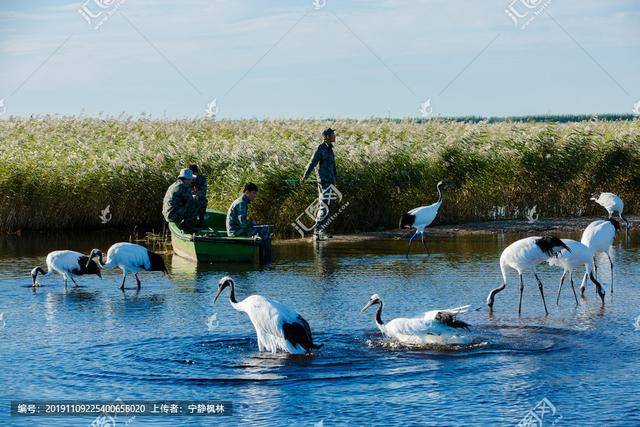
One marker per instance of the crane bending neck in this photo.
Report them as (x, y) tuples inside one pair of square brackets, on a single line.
[(101, 263), (503, 270)]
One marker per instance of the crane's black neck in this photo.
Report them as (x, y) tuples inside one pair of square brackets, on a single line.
[(615, 223), (379, 314), (439, 193), (232, 294)]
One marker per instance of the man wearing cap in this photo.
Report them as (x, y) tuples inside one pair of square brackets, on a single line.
[(180, 204), (327, 176)]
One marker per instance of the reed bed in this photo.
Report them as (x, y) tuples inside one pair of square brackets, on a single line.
[(60, 173)]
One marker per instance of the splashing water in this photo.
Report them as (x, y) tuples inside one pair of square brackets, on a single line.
[(212, 322)]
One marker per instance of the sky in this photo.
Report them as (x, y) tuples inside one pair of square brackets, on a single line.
[(318, 58)]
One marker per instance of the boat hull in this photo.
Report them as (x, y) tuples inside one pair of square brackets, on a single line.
[(212, 245)]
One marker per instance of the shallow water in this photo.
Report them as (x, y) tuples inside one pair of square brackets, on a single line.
[(170, 342)]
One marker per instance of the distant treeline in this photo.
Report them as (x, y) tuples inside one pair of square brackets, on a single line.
[(546, 118)]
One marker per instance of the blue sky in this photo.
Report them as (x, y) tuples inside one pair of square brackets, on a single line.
[(284, 59)]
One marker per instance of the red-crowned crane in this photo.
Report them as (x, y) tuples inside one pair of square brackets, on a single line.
[(598, 236), (576, 255), (612, 203), (421, 217), (433, 327), (278, 327), (524, 255), (68, 264), (130, 258)]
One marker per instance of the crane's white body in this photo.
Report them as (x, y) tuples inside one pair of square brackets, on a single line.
[(614, 206), (421, 217), (129, 257), (579, 256), (65, 263), (598, 236), (424, 216), (611, 202), (268, 317), (425, 329), (522, 255)]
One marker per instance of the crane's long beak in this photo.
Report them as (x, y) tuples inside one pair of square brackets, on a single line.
[(91, 257), (369, 304), (220, 289)]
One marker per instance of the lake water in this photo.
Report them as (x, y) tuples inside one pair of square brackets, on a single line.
[(170, 342)]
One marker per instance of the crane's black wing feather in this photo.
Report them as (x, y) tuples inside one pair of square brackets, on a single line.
[(299, 333), (450, 320)]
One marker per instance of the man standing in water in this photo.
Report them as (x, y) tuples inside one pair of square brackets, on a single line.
[(324, 159)]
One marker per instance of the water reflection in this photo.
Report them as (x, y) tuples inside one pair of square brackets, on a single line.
[(326, 263)]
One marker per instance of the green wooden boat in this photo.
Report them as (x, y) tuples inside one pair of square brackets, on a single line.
[(211, 243)]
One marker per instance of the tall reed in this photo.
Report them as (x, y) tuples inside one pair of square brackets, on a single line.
[(61, 172)]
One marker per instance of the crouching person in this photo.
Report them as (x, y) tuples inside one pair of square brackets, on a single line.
[(239, 223)]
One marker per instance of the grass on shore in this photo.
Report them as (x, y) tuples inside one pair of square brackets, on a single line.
[(62, 172)]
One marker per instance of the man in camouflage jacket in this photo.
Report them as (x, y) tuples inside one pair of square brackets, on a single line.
[(327, 177), (238, 221), (179, 204), (200, 190)]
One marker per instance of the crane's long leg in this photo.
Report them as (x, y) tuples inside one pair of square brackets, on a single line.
[(560, 287), (573, 288), (610, 264), (124, 277), (137, 280), (64, 276), (424, 244), (410, 242), (73, 280), (521, 290), (541, 293), (599, 290), (584, 279)]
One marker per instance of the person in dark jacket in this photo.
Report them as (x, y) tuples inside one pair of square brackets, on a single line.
[(200, 190), (179, 204), (238, 221), (327, 177)]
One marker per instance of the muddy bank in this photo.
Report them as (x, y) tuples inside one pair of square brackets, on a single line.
[(556, 226)]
